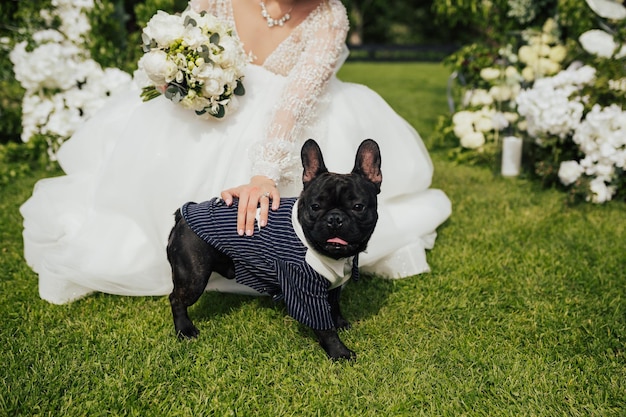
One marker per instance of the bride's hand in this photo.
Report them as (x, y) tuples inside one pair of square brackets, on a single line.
[(259, 192)]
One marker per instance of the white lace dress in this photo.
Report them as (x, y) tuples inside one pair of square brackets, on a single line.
[(104, 225)]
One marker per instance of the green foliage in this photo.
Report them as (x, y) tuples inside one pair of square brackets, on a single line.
[(16, 21), (22, 159), (494, 20), (575, 17), (469, 60), (109, 44)]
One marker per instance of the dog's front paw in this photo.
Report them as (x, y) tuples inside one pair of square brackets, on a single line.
[(334, 347), (186, 330)]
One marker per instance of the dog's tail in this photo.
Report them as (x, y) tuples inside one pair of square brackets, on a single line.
[(177, 216)]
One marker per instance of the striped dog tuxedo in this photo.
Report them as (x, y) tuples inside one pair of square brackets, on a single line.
[(276, 260)]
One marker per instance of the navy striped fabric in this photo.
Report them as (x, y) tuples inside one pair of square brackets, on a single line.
[(271, 261)]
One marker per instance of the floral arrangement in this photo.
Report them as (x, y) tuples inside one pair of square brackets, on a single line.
[(63, 85), (564, 99), (194, 60)]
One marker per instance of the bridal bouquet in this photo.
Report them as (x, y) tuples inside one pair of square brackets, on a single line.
[(195, 60)]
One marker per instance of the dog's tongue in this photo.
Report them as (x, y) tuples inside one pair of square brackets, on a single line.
[(338, 241)]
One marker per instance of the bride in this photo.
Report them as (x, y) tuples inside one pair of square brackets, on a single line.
[(103, 226)]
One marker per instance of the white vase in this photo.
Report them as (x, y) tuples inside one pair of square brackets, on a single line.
[(511, 156)]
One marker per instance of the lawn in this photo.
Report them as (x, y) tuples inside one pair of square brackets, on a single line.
[(523, 314)]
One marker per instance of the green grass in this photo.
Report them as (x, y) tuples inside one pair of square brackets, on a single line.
[(524, 314)]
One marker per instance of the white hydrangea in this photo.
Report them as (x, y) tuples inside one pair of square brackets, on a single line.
[(60, 64), (602, 138), (548, 107)]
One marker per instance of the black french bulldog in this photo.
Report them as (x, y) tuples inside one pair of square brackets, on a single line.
[(308, 250)]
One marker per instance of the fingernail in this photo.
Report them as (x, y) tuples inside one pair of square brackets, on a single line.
[(263, 223), (240, 232), (249, 232)]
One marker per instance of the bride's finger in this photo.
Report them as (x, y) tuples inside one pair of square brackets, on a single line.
[(229, 195), (242, 210), (265, 207), (250, 213)]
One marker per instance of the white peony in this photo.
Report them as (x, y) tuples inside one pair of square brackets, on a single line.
[(473, 140), (157, 67), (164, 28)]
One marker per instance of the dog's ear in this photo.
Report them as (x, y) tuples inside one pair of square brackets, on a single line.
[(368, 162), (312, 161)]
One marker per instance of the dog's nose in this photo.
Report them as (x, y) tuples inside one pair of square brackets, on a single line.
[(334, 221)]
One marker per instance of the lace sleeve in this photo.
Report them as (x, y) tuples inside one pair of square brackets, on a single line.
[(324, 38)]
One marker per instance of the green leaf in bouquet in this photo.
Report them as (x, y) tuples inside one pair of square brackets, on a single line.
[(221, 112), (239, 89), (205, 53), (175, 92), (190, 21)]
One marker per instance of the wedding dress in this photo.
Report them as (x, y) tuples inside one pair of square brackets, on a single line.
[(104, 225)]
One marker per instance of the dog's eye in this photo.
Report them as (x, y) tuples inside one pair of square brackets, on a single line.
[(315, 207), (358, 207)]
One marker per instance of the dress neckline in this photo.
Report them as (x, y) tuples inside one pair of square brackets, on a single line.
[(315, 11)]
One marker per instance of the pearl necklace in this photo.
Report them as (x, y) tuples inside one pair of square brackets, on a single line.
[(271, 22)]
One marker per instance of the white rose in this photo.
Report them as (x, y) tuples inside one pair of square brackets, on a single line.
[(484, 124), (463, 117), (473, 140), (489, 74), (558, 53), (157, 67), (550, 26), (511, 117), (212, 88), (541, 50), (511, 74), (546, 66), (481, 97), (569, 172), (463, 130), (528, 74), (547, 39), (193, 37), (500, 93), (526, 54)]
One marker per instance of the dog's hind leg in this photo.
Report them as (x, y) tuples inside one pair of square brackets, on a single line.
[(191, 269)]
